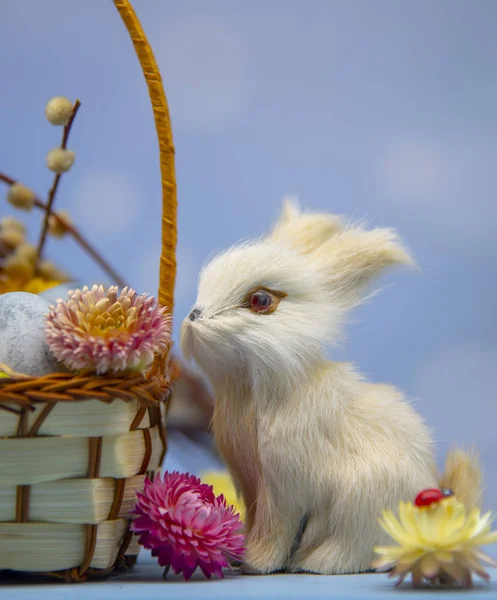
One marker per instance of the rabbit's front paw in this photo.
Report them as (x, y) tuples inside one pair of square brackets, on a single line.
[(263, 557), (331, 558), (261, 565), (247, 569)]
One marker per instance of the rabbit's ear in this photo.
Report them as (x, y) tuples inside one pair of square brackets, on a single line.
[(304, 231), (289, 212), (354, 257)]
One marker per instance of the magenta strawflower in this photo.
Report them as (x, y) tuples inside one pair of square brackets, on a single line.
[(186, 526), (106, 331)]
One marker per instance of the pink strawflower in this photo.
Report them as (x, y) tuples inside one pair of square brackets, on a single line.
[(105, 331), (186, 526)]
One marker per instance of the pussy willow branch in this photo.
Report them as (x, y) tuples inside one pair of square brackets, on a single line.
[(76, 235), (55, 185)]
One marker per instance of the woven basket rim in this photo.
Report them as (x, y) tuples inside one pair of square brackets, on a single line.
[(27, 391)]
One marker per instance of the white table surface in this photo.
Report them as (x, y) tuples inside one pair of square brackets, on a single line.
[(145, 582)]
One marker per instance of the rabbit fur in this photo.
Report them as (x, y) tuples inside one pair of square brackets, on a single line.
[(305, 438)]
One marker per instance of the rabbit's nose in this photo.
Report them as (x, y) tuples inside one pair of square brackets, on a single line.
[(195, 314)]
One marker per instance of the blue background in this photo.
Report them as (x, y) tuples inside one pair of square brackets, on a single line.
[(383, 110)]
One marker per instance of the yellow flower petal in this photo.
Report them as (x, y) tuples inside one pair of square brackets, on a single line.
[(417, 576), (223, 484), (485, 558), (459, 573), (401, 578), (471, 563), (427, 526), (429, 566), (410, 557), (453, 525), (444, 556), (481, 524), (483, 539), (389, 550), (38, 285), (468, 559), (394, 529), (382, 564), (406, 516)]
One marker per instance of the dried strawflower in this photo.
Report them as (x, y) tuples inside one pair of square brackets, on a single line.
[(11, 237), (21, 196), (58, 110), (60, 160), (48, 270), (222, 483), (438, 539), (58, 227), (27, 251), (4, 250), (186, 526), (106, 331), (36, 285), (18, 267), (11, 223)]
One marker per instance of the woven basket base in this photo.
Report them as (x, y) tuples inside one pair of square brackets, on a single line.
[(126, 559), (118, 439)]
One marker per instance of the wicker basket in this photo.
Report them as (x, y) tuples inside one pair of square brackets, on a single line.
[(117, 426)]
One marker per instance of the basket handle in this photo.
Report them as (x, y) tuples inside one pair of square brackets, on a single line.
[(167, 269)]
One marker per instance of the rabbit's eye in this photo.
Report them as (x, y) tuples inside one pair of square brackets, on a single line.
[(261, 301)]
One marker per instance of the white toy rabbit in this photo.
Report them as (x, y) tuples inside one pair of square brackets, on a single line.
[(308, 441)]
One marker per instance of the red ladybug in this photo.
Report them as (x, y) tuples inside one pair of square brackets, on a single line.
[(430, 496)]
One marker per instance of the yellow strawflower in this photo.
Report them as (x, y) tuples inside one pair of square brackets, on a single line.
[(439, 543), (223, 484), (38, 285)]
